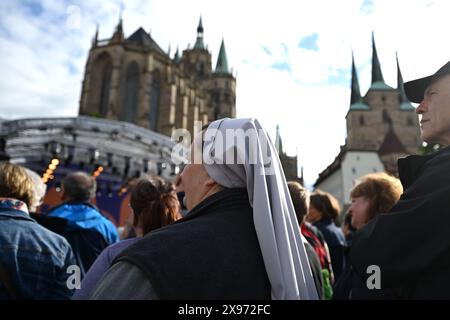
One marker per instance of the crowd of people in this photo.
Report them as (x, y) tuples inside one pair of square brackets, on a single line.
[(238, 230)]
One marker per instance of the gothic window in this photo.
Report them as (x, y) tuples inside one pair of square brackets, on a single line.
[(226, 98), (216, 97), (155, 93), (131, 92), (362, 122), (104, 93), (201, 69), (100, 85)]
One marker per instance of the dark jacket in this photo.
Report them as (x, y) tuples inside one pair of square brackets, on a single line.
[(212, 253), (335, 240), (85, 228), (35, 259), (411, 243)]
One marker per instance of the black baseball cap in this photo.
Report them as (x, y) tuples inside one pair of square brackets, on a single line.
[(415, 89)]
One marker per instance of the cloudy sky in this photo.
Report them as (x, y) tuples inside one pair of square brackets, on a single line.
[(292, 58)]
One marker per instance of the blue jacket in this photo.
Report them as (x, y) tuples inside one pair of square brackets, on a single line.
[(86, 216), (35, 258)]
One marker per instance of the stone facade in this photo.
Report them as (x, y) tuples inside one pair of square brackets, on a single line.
[(132, 79), (366, 129)]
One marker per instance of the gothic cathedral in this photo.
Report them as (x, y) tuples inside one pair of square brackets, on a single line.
[(132, 79)]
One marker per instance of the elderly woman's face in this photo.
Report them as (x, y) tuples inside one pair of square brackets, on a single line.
[(359, 211), (193, 179)]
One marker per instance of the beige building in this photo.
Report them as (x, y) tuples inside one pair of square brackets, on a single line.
[(132, 79)]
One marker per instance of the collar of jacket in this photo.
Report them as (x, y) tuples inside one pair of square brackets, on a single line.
[(73, 202), (410, 167), (10, 203), (15, 214), (232, 197)]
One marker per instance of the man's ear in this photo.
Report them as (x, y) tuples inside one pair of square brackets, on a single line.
[(62, 195)]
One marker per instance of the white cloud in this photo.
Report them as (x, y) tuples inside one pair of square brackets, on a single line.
[(42, 59)]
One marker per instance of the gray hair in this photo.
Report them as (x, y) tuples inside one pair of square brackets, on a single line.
[(79, 187), (40, 188)]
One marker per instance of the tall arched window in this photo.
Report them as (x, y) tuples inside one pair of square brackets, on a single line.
[(155, 92), (104, 93), (100, 85), (130, 101)]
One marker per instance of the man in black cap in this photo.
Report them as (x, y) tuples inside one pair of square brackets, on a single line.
[(411, 243)]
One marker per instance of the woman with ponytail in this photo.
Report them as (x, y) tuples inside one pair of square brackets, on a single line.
[(154, 204)]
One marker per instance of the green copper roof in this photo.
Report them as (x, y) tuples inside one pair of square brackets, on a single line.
[(177, 58), (377, 75), (222, 61), (405, 104), (356, 93), (199, 42), (359, 106), (380, 86)]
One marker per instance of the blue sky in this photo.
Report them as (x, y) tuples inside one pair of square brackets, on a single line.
[(292, 58)]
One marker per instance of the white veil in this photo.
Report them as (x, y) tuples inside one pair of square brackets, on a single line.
[(255, 166)]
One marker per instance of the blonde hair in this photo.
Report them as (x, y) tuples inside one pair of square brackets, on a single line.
[(40, 188), (15, 183), (382, 190)]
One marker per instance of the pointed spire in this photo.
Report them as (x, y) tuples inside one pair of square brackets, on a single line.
[(95, 39), (377, 76), (356, 101), (405, 104), (169, 49), (118, 33), (200, 26), (199, 42), (356, 93), (222, 61), (278, 143), (177, 58)]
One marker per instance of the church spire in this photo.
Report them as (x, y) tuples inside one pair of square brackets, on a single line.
[(95, 39), (405, 104), (177, 58), (199, 42), (278, 143), (118, 33), (222, 61), (356, 93), (377, 76)]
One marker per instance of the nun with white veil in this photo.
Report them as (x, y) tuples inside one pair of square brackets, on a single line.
[(255, 165)]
